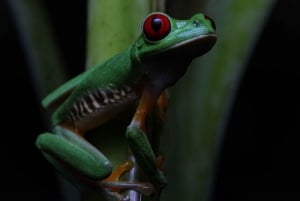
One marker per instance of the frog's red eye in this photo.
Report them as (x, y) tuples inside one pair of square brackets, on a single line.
[(156, 26)]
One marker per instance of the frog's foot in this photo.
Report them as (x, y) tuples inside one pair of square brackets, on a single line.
[(113, 183), (142, 187), (115, 175), (162, 105)]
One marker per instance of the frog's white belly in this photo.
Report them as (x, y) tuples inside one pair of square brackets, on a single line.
[(99, 106)]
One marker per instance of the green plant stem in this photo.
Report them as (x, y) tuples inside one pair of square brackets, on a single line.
[(201, 101), (46, 65), (112, 27), (43, 55)]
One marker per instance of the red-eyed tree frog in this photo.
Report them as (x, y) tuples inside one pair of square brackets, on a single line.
[(138, 75)]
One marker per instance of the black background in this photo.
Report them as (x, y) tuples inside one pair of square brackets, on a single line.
[(261, 149)]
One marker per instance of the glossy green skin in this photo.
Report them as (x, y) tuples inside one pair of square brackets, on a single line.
[(163, 62)]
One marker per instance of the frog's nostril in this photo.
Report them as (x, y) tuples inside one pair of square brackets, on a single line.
[(196, 22)]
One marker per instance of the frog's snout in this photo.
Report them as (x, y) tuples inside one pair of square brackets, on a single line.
[(212, 22)]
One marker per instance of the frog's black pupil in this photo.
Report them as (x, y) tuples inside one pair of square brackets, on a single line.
[(156, 23)]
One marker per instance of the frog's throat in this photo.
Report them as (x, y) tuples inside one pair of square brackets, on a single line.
[(195, 46)]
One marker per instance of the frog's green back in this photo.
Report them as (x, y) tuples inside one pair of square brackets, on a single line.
[(111, 70), (62, 92)]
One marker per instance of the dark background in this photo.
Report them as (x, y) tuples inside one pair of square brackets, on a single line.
[(261, 149), (262, 144)]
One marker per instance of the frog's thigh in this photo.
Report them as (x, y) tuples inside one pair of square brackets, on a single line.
[(67, 149)]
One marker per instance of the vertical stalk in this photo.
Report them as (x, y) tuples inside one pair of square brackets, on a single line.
[(201, 101), (44, 57), (113, 26), (42, 53)]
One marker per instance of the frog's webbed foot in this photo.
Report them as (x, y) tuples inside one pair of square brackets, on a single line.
[(142, 187), (116, 174), (113, 183)]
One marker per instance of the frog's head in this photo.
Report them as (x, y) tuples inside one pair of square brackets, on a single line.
[(167, 46)]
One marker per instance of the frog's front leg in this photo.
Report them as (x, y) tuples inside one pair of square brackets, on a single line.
[(137, 137), (162, 105)]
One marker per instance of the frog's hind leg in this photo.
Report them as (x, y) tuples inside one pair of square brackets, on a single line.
[(74, 157), (84, 166)]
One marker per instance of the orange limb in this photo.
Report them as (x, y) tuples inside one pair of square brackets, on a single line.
[(160, 161), (115, 175), (148, 100), (162, 104), (71, 127), (113, 184)]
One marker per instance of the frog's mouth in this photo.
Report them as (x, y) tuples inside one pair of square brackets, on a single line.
[(190, 48)]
